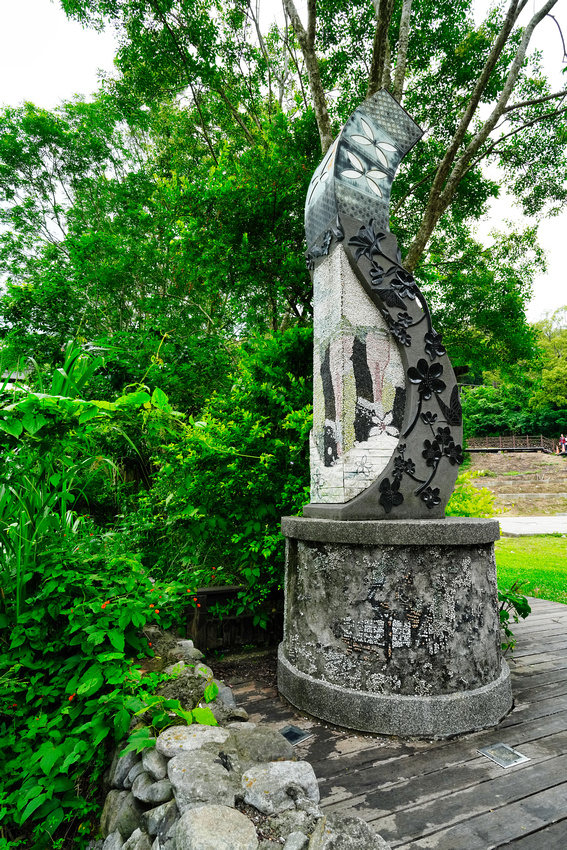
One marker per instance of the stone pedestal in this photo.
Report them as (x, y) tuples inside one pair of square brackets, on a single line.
[(392, 626)]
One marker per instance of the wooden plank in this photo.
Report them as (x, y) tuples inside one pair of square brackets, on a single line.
[(380, 793), (405, 759), (552, 689), (549, 838), (511, 787), (524, 711), (498, 828)]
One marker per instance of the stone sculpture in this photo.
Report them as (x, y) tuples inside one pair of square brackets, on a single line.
[(391, 617), (387, 432)]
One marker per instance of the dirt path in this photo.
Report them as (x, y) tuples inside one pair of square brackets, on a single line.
[(525, 483)]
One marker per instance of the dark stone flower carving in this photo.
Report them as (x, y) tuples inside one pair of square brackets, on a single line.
[(389, 495), (377, 274), (432, 452), (367, 241), (398, 327), (433, 345), (443, 436), (404, 319), (454, 453), (431, 497), (402, 466), (427, 377), (310, 262), (404, 284), (429, 418)]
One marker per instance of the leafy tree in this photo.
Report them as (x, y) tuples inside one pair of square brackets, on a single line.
[(469, 86), (552, 390)]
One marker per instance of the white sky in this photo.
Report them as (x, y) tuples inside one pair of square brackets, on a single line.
[(46, 58)]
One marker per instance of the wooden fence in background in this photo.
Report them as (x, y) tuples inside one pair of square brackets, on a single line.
[(512, 443)]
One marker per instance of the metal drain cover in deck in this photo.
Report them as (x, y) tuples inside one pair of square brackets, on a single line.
[(503, 755), (294, 734)]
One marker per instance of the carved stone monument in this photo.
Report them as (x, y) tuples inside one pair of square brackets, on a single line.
[(391, 621)]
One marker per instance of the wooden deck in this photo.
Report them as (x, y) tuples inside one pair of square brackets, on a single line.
[(443, 794)]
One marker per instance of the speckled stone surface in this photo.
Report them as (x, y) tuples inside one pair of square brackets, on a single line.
[(411, 612)]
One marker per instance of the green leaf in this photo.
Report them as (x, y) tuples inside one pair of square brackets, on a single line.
[(54, 819), (109, 656), (204, 716), (88, 414), (92, 681), (50, 758), (33, 423), (116, 638), (33, 805), (210, 692), (12, 426)]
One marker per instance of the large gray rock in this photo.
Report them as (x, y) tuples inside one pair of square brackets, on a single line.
[(257, 746), (138, 841), (113, 841), (225, 694), (336, 832), (133, 774), (161, 818), (121, 813), (185, 650), (148, 791), (296, 841), (199, 778), (180, 739), (215, 828), (121, 766), (293, 820), (204, 671), (271, 788), (155, 764)]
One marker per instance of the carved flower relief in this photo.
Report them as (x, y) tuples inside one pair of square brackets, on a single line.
[(434, 345), (402, 467), (431, 497), (432, 453), (427, 377), (358, 170), (390, 497), (380, 149), (383, 425)]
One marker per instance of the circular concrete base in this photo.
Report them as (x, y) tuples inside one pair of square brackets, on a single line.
[(392, 714)]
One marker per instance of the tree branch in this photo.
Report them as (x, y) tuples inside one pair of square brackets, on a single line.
[(450, 174), (402, 56), (384, 10), (535, 101), (306, 41)]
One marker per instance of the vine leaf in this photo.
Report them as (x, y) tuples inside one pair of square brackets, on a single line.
[(453, 412)]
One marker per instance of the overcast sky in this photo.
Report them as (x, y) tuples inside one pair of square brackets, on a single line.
[(46, 58)]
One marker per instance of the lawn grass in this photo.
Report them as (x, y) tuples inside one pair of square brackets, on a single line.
[(539, 562)]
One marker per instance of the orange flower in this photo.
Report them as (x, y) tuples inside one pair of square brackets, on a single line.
[(157, 610), (72, 696)]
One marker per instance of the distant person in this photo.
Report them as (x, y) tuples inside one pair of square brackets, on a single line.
[(562, 442)]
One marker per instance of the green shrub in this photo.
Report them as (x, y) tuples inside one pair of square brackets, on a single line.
[(213, 514), (468, 500)]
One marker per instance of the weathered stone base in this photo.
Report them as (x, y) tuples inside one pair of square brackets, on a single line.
[(392, 627), (405, 716)]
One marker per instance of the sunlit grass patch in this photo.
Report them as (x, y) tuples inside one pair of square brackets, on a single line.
[(539, 562)]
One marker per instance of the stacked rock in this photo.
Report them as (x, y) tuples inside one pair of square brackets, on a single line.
[(185, 793)]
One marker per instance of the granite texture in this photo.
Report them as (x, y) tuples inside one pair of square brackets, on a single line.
[(367, 624), (458, 530), (405, 716)]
